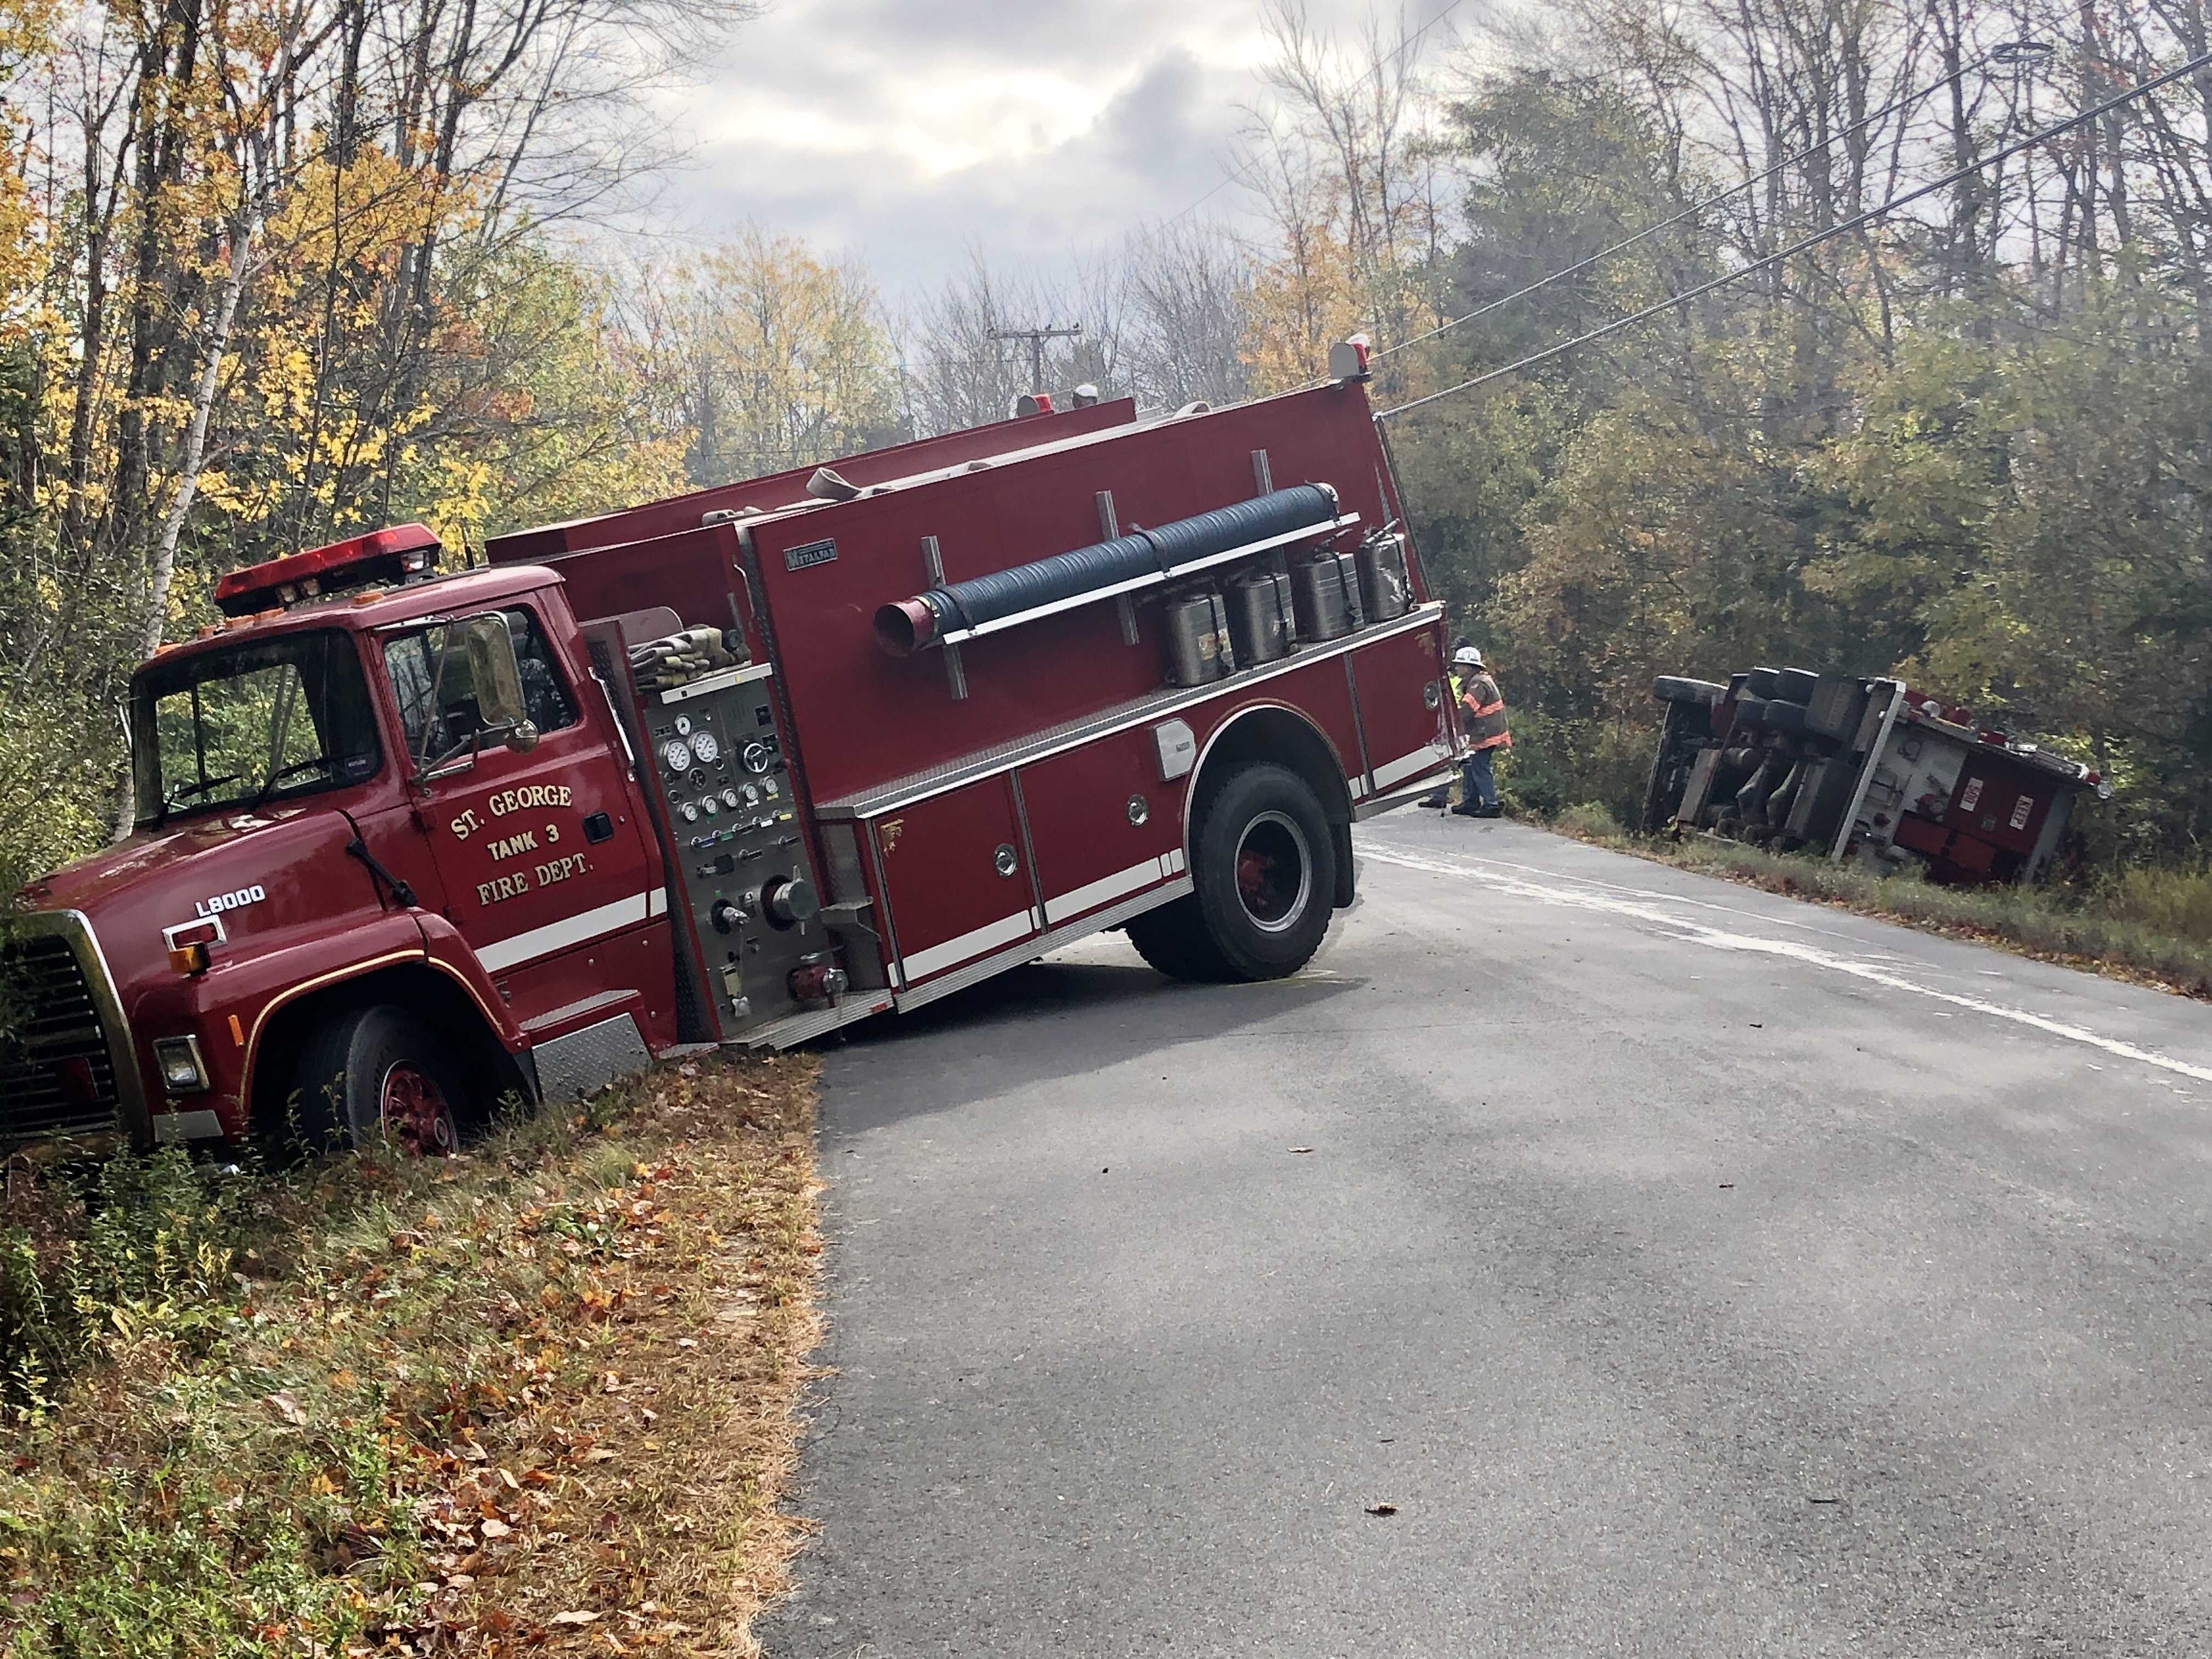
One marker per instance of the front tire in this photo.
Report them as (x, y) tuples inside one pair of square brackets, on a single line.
[(375, 1078), (1262, 865)]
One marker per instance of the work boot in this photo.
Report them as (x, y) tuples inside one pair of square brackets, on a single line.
[(1467, 809), (1489, 811), (1439, 799)]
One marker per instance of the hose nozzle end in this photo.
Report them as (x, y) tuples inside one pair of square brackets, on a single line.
[(904, 626)]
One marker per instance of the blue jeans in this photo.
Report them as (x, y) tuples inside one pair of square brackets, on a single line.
[(1476, 786)]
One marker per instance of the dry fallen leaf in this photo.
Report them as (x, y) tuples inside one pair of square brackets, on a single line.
[(1382, 1508), (1301, 1149), (495, 1528), (286, 1406), (575, 1617)]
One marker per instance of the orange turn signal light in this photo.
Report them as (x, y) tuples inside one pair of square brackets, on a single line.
[(189, 959)]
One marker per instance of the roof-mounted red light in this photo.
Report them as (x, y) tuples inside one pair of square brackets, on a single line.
[(390, 555)]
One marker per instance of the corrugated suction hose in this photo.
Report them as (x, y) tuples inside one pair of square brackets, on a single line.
[(906, 625)]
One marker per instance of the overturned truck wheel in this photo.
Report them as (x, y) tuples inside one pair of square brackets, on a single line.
[(1263, 873)]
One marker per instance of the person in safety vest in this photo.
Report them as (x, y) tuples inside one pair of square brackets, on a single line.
[(1482, 712)]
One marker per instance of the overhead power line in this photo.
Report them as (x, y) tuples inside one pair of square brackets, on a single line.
[(2010, 52), (1904, 199)]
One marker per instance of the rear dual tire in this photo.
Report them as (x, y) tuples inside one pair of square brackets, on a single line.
[(1262, 883)]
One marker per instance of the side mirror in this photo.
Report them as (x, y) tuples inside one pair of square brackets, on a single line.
[(494, 674)]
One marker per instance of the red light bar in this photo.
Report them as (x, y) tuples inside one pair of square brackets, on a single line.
[(392, 554)]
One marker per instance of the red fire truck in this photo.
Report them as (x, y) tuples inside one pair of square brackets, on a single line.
[(740, 767)]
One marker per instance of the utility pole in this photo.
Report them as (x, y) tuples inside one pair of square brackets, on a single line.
[(1036, 337)]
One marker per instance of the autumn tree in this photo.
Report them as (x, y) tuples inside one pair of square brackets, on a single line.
[(761, 356)]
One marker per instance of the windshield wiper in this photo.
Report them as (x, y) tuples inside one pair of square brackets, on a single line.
[(282, 773), (170, 803)]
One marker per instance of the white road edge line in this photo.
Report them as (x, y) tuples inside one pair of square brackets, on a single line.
[(1644, 892), (1698, 932)]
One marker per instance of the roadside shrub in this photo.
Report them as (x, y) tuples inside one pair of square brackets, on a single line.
[(1554, 763), (2174, 902), (133, 1248), (1593, 819)]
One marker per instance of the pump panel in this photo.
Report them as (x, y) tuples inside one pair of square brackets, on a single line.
[(741, 879)]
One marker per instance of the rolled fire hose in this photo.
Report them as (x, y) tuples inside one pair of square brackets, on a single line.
[(908, 625)]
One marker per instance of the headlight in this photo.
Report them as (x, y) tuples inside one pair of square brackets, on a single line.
[(182, 1073)]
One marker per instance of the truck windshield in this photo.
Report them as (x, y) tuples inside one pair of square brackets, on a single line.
[(270, 721)]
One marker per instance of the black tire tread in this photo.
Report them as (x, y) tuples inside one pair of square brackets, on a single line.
[(1221, 820), (1675, 687), (1173, 940)]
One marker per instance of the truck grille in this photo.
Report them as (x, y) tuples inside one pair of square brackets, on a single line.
[(56, 1076)]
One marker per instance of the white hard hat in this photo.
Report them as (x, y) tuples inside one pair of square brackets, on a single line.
[(1466, 657)]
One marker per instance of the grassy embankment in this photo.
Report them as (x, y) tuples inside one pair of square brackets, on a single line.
[(2153, 926), (539, 1397)]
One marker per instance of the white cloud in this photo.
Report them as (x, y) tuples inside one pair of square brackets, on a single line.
[(908, 131)]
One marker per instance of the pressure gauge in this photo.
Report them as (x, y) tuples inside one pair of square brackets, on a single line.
[(752, 796), (690, 813), (676, 755), (682, 726), (706, 746), (756, 758), (731, 798), (709, 806)]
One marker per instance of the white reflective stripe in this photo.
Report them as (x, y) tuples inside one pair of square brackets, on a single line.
[(1173, 862), (1357, 786), (1421, 760), (656, 902), (569, 930), (1092, 895), (954, 952)]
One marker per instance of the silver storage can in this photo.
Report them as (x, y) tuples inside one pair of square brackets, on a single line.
[(1385, 588), (1261, 626), (1198, 638), (1348, 562), (1319, 598)]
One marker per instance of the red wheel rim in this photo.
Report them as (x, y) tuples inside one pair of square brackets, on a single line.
[(416, 1118)]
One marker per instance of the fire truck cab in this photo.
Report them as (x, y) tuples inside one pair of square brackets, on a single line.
[(738, 768)]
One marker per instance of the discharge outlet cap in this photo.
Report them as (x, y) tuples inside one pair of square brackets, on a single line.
[(790, 902)]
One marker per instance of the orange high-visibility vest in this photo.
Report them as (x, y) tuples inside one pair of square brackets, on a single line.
[(1482, 712)]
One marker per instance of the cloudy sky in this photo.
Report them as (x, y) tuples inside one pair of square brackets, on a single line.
[(907, 131)]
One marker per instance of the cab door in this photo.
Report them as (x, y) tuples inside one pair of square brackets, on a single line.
[(541, 856)]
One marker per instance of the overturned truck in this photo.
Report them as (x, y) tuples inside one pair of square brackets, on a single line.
[(1866, 770)]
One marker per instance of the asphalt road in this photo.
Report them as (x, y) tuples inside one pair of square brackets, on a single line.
[(1696, 1273)]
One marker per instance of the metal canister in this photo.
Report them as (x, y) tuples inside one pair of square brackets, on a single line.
[(1320, 598), (1262, 625), (1385, 588), (1198, 638)]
